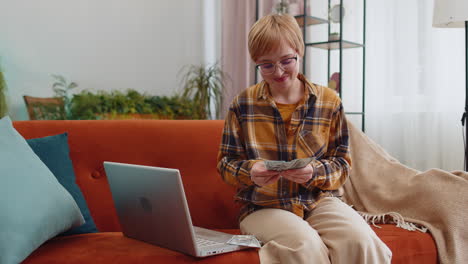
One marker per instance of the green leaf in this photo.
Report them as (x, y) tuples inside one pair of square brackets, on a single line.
[(55, 85), (72, 85), (3, 87)]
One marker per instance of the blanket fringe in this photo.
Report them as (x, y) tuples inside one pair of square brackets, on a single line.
[(391, 218)]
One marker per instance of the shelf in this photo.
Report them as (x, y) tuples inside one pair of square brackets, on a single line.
[(310, 20), (334, 44), (354, 113)]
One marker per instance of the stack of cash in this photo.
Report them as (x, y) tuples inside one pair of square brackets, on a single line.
[(279, 165), (245, 240)]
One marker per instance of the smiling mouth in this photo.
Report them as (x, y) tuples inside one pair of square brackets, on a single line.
[(282, 79)]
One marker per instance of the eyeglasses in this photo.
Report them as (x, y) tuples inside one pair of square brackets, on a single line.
[(285, 64)]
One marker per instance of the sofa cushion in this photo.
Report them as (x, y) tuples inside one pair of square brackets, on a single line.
[(34, 206), (408, 246), (113, 247), (55, 153)]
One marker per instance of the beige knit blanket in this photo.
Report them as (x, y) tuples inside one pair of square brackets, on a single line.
[(384, 190)]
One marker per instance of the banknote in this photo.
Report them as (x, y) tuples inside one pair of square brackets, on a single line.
[(279, 165), (245, 240)]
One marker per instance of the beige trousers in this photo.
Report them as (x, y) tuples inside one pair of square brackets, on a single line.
[(332, 233)]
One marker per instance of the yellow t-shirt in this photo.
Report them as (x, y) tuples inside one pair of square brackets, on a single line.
[(286, 111)]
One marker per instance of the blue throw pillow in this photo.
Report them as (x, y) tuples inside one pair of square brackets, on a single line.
[(34, 206), (55, 153)]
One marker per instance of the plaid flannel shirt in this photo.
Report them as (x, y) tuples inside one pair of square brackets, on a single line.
[(255, 131)]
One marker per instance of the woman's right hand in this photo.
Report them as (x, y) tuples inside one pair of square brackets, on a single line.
[(261, 176)]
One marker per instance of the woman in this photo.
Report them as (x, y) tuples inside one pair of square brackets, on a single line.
[(295, 212)]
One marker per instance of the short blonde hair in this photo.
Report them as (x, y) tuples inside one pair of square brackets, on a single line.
[(268, 32)]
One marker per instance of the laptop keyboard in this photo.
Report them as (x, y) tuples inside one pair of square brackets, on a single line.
[(201, 242)]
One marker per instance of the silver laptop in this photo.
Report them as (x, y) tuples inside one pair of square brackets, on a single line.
[(152, 207)]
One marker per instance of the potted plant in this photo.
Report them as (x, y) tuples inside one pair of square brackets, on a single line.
[(3, 105), (204, 86), (62, 88), (334, 36), (282, 7), (107, 104), (128, 105)]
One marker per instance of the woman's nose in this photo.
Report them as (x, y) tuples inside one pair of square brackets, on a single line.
[(278, 71)]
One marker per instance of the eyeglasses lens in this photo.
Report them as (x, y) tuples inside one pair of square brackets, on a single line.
[(285, 65)]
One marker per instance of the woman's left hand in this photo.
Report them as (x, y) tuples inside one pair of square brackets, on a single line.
[(300, 176)]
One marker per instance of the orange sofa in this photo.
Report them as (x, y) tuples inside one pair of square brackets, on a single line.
[(189, 145)]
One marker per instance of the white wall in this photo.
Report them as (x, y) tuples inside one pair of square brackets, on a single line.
[(101, 45)]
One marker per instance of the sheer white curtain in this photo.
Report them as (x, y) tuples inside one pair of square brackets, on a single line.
[(415, 84), (237, 18)]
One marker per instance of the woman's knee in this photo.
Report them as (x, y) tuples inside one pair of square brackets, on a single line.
[(300, 240), (283, 227), (360, 237), (363, 240), (298, 247)]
